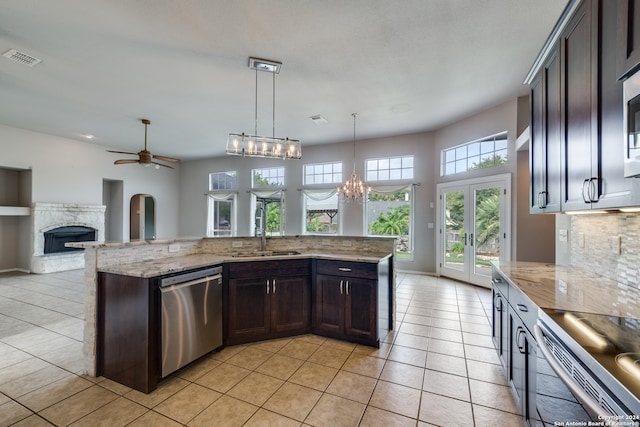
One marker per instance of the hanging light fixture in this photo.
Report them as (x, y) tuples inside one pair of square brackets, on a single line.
[(241, 144), (353, 190)]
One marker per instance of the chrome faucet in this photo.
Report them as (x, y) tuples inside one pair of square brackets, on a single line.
[(262, 230)]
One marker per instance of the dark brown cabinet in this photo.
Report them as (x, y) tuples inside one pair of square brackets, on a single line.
[(351, 301), (546, 137), (628, 37), (267, 299), (127, 331), (514, 317), (576, 116)]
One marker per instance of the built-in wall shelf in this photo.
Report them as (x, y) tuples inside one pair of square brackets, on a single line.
[(14, 211)]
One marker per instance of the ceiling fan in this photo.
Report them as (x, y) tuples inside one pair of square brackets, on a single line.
[(145, 157)]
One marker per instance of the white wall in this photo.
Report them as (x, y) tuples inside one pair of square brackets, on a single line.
[(68, 171)]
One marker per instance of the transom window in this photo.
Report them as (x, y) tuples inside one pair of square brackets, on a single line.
[(267, 177), (223, 181), (323, 173), (483, 153), (390, 169)]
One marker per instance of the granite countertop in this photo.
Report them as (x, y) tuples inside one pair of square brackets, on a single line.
[(569, 288), (162, 266)]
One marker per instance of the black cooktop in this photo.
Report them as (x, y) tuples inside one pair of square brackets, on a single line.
[(614, 342)]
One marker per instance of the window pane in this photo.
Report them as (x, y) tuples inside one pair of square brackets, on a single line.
[(501, 144), (474, 149), (450, 168), (474, 162), (450, 156), (321, 216), (407, 162), (383, 163), (390, 215), (395, 163), (461, 153), (372, 165), (407, 173), (486, 147), (461, 165), (395, 174), (372, 176)]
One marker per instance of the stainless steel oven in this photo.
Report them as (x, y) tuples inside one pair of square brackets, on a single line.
[(631, 89), (598, 358)]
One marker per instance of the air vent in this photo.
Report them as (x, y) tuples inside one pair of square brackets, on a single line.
[(22, 58)]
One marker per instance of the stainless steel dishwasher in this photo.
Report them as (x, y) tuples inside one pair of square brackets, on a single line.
[(191, 316)]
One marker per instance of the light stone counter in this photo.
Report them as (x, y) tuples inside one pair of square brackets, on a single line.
[(159, 267), (569, 288)]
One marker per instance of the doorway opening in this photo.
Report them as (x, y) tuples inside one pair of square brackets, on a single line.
[(142, 221)]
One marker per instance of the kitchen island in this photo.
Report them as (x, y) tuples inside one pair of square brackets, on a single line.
[(583, 325), (341, 287)]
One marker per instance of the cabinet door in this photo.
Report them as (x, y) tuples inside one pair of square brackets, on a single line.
[(329, 304), (579, 71), (522, 368), (614, 190), (499, 326), (249, 310), (290, 304), (360, 308), (628, 36), (546, 137)]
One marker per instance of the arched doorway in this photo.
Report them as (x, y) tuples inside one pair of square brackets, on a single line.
[(142, 221)]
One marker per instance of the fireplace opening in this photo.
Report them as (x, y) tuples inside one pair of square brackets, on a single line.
[(54, 240)]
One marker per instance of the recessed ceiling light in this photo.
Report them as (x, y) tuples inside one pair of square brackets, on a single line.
[(87, 136), (319, 120)]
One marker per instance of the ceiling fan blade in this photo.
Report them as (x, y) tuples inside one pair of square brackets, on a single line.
[(166, 166), (125, 161), (165, 158), (122, 152)]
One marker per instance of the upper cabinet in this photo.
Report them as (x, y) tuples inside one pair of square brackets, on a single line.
[(628, 37), (577, 141)]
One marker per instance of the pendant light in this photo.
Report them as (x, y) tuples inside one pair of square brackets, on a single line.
[(353, 190), (241, 144)]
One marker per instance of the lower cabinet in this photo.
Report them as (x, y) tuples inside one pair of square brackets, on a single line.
[(345, 307), (512, 322), (351, 300), (522, 367), (275, 301)]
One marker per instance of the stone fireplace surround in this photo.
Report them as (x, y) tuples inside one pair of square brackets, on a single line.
[(47, 216)]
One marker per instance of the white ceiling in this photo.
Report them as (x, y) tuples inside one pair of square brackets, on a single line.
[(405, 66)]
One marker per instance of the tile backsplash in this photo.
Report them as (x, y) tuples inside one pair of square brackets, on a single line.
[(608, 245)]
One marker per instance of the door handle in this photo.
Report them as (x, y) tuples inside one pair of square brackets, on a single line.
[(465, 239), (471, 239)]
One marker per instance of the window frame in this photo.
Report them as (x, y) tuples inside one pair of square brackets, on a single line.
[(384, 167), (452, 157)]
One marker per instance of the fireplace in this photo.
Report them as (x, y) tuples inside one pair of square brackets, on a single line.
[(54, 240), (54, 224)]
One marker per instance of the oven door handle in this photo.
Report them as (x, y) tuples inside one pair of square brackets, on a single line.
[(582, 396)]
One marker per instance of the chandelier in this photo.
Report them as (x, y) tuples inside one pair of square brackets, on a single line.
[(241, 144), (353, 190)]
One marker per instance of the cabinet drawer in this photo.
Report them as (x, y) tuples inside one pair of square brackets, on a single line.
[(522, 305), (361, 270), (268, 269)]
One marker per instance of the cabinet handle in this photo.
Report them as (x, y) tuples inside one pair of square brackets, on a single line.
[(273, 286), (341, 287), (344, 269), (267, 287), (522, 346), (522, 307), (542, 199), (593, 190), (584, 185), (498, 302), (347, 287)]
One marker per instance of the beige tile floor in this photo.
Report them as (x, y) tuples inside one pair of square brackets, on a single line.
[(437, 368)]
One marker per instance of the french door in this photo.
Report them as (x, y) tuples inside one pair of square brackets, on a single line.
[(474, 218)]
